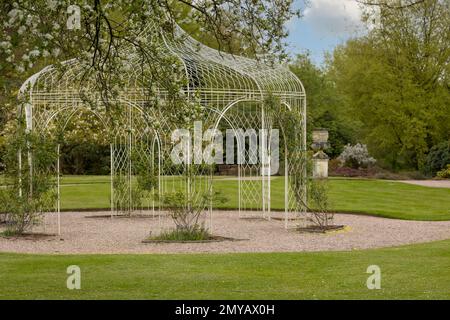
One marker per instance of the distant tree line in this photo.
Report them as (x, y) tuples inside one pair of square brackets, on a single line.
[(388, 89)]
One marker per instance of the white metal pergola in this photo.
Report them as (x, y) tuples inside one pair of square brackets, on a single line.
[(232, 89)]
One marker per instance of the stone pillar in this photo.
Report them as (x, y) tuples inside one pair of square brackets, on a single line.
[(320, 158), (320, 165)]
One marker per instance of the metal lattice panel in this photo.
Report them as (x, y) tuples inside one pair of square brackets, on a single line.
[(231, 88)]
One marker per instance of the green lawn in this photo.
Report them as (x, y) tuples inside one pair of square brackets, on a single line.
[(410, 272), (377, 197)]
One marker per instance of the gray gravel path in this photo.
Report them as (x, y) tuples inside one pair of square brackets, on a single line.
[(102, 236), (429, 183)]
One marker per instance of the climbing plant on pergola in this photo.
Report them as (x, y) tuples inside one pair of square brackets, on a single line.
[(224, 91)]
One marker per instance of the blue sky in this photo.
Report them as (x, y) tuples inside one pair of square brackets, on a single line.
[(325, 24)]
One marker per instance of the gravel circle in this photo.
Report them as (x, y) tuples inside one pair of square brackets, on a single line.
[(109, 236)]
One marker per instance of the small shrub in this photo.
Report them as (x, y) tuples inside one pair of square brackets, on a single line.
[(23, 213), (186, 210), (26, 200), (444, 173), (196, 233), (318, 192), (9, 233), (438, 158), (356, 156)]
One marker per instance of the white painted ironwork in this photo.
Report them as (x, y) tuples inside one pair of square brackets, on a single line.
[(232, 88)]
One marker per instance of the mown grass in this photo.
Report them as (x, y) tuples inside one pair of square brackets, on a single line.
[(375, 197), (410, 272)]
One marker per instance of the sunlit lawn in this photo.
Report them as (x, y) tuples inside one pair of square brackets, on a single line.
[(410, 272), (377, 197)]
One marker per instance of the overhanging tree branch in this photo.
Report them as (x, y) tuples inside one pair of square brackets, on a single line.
[(391, 4)]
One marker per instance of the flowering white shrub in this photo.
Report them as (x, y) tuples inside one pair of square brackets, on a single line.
[(356, 156)]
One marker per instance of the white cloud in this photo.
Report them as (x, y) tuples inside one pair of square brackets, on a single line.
[(333, 17)]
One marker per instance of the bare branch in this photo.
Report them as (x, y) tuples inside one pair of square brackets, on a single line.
[(391, 4)]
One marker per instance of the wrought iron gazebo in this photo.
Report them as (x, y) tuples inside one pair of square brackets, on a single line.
[(231, 88)]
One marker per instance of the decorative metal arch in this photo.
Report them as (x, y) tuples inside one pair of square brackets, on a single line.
[(223, 81)]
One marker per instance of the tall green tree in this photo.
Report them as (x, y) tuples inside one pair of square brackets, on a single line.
[(396, 80), (326, 107)]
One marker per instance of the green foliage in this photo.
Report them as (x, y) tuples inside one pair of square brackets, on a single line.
[(147, 180), (196, 233), (289, 123), (438, 158), (187, 206), (186, 209), (85, 158), (319, 200), (184, 212), (146, 172), (132, 192), (339, 129), (444, 173), (127, 195), (31, 191), (325, 104), (9, 233), (26, 210), (395, 82), (85, 143)]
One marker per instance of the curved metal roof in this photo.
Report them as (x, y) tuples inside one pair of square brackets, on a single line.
[(208, 71)]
